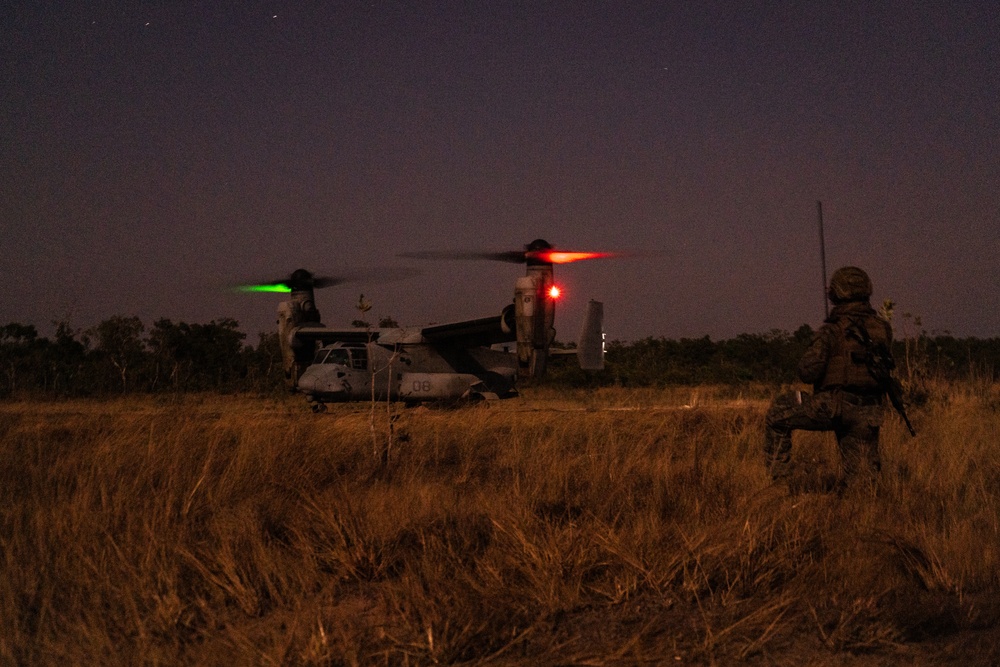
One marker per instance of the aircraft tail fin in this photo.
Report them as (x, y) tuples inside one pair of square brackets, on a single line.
[(590, 348)]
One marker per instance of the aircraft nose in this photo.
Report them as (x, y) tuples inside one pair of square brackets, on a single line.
[(307, 383), (324, 379)]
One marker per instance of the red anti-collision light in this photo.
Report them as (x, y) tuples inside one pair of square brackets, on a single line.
[(554, 292), (557, 257)]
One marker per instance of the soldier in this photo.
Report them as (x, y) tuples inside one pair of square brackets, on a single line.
[(846, 398)]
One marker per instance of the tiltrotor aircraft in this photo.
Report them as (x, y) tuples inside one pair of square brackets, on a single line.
[(439, 362)]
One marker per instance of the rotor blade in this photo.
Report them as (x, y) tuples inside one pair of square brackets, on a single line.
[(372, 275), (329, 281), (513, 256), (276, 282), (263, 287), (537, 252), (566, 257), (305, 279)]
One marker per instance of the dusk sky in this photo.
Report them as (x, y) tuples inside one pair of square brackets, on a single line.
[(154, 153)]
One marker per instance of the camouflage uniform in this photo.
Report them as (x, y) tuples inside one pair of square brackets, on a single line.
[(846, 399)]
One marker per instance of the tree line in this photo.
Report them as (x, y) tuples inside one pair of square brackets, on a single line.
[(121, 355), (772, 358)]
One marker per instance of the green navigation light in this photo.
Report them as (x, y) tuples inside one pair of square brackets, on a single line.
[(275, 287)]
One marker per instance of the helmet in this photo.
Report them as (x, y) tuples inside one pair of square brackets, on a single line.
[(849, 284)]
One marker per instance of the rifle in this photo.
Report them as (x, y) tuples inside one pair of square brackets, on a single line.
[(880, 364), (822, 260)]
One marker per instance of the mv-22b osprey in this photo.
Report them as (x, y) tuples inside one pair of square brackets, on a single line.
[(439, 362)]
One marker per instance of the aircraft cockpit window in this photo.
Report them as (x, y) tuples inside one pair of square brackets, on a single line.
[(338, 357), (360, 358), (320, 356)]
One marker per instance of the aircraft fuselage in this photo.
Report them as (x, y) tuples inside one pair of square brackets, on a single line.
[(411, 372)]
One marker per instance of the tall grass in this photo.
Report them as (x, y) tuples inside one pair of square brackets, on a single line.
[(608, 527)]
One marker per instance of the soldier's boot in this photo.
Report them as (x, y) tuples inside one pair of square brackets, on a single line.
[(860, 463), (778, 454)]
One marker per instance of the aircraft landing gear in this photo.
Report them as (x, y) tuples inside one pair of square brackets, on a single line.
[(319, 408)]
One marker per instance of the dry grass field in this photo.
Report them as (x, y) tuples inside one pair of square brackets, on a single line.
[(612, 527)]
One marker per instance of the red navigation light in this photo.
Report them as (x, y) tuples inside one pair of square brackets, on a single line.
[(558, 257), (554, 292)]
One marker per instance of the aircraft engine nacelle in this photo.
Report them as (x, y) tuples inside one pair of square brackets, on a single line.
[(535, 317), (296, 354), (508, 319)]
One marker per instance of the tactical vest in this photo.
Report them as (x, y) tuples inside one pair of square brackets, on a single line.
[(846, 366)]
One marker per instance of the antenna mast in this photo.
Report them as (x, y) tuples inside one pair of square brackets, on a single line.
[(822, 257)]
